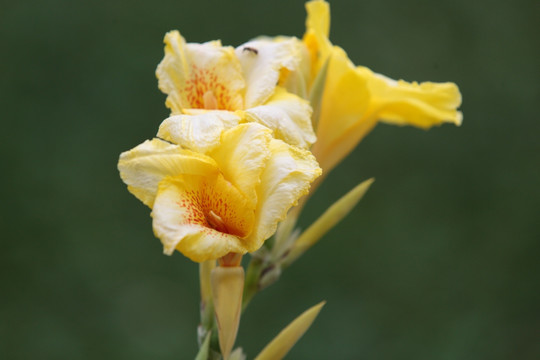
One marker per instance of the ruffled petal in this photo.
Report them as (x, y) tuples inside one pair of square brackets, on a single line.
[(286, 177), (288, 116), (241, 157), (355, 99), (200, 76), (262, 62), (143, 167), (422, 105), (202, 217), (200, 132)]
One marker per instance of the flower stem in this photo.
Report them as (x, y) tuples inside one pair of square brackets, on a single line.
[(253, 275)]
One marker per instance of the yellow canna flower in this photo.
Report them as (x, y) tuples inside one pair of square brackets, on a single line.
[(235, 85), (354, 98), (228, 199)]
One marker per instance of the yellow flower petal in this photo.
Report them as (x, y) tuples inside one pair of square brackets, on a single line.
[(286, 178), (262, 61), (317, 32), (143, 167), (203, 217), (200, 76), (228, 200), (200, 132), (288, 116), (242, 156), (422, 105), (285, 340), (343, 121), (355, 99)]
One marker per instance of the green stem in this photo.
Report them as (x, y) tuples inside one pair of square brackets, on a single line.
[(251, 285)]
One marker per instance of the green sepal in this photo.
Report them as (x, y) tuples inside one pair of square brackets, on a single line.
[(204, 349), (316, 94)]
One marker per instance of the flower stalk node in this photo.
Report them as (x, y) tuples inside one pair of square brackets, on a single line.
[(230, 260)]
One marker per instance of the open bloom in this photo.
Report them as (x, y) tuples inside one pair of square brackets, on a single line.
[(236, 85), (354, 98), (226, 199)]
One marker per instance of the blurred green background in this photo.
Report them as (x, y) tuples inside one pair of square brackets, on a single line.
[(439, 261)]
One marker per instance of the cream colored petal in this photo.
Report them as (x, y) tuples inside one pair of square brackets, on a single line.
[(200, 132), (297, 80), (422, 105), (173, 72), (286, 177), (242, 155), (200, 76), (180, 222), (288, 116), (143, 167), (262, 62)]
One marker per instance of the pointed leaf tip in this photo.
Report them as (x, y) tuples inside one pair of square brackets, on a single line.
[(330, 218), (203, 351), (285, 340)]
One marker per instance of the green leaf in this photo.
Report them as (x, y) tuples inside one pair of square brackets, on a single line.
[(316, 94), (203, 351), (333, 215), (285, 340)]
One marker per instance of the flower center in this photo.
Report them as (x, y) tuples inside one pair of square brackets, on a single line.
[(203, 90), (210, 101), (216, 222)]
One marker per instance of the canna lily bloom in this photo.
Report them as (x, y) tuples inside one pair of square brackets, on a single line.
[(354, 98), (236, 84), (228, 199)]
